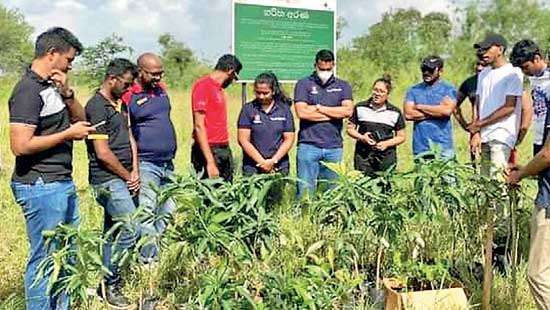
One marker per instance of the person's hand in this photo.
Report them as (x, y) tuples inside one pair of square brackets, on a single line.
[(134, 183), (267, 165), (382, 145), (212, 170), (475, 143), (79, 130), (61, 82), (512, 176), (366, 138), (474, 127)]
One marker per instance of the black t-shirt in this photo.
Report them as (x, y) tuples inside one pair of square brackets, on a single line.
[(115, 129), (35, 102), (468, 88), (385, 121)]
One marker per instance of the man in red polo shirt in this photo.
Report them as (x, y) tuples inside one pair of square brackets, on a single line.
[(210, 154)]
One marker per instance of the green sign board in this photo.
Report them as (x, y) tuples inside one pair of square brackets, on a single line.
[(282, 39)]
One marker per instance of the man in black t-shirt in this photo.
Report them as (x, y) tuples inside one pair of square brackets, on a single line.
[(45, 118), (467, 90), (114, 172)]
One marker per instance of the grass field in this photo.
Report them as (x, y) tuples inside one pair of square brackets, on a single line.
[(12, 228)]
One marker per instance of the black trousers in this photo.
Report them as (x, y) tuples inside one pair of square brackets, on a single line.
[(372, 162), (222, 156)]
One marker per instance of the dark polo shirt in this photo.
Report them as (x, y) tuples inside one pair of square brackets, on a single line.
[(266, 131), (311, 90), (34, 101), (116, 128)]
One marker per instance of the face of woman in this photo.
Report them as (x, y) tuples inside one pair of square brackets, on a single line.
[(264, 93), (379, 93)]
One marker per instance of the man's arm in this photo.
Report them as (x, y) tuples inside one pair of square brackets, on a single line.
[(460, 97), (24, 142), (201, 137), (526, 116), (343, 111), (109, 159), (309, 112), (444, 109), (412, 113), (135, 182), (504, 111)]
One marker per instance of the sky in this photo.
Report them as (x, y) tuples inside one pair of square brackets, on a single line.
[(203, 25)]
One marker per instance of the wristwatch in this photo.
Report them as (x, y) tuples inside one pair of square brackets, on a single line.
[(68, 95)]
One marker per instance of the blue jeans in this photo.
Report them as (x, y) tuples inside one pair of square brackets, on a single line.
[(119, 206), (310, 169), (44, 205), (154, 177)]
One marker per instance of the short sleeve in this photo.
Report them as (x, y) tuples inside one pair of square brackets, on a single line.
[(353, 118), (289, 121), (244, 122), (409, 96), (400, 124), (199, 97), (464, 88), (300, 92), (514, 84), (347, 93), (25, 106), (95, 113)]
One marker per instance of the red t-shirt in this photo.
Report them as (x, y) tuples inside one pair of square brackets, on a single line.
[(208, 96)]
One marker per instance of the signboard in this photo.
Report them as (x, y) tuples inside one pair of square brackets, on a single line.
[(282, 36)]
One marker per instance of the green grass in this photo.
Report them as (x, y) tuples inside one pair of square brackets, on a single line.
[(12, 228)]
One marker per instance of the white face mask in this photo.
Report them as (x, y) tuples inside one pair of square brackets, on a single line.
[(324, 75)]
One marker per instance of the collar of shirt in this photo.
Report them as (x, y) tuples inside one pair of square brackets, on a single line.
[(437, 83), (137, 88), (34, 76), (258, 106), (375, 109)]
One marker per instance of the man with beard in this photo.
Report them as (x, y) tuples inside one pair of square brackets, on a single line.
[(45, 118), (498, 101), (210, 154), (149, 111), (113, 173), (430, 105), (322, 102)]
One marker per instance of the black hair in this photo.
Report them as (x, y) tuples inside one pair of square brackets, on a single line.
[(270, 78), (524, 51), (324, 55), (229, 62), (119, 66), (386, 79), (56, 39)]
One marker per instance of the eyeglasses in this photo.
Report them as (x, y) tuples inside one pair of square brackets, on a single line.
[(427, 69), (158, 74)]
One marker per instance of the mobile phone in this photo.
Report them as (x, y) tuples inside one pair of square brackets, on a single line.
[(99, 124)]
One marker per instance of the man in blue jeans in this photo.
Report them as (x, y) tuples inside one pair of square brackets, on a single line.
[(45, 118), (322, 102), (149, 108), (114, 173)]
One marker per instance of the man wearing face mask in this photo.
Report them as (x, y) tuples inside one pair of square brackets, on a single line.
[(322, 102), (430, 105), (498, 100), (114, 172), (210, 154)]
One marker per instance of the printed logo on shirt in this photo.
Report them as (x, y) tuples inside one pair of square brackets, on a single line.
[(332, 90), (278, 118), (141, 101), (257, 119), (53, 103), (314, 90)]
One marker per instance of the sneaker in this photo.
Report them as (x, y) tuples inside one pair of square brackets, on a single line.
[(112, 294)]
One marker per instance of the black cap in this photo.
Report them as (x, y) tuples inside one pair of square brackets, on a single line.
[(432, 62), (490, 40)]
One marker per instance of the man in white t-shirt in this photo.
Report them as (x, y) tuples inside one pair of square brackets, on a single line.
[(527, 55), (498, 101)]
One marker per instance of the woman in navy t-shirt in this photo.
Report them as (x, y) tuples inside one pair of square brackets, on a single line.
[(266, 128)]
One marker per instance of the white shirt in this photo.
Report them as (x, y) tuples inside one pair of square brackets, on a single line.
[(492, 88), (541, 97)]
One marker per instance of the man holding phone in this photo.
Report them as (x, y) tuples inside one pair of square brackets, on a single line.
[(430, 105), (45, 118), (114, 172)]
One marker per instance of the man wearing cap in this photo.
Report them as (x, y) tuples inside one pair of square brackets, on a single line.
[(527, 55), (322, 102), (430, 105), (210, 154), (498, 101)]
